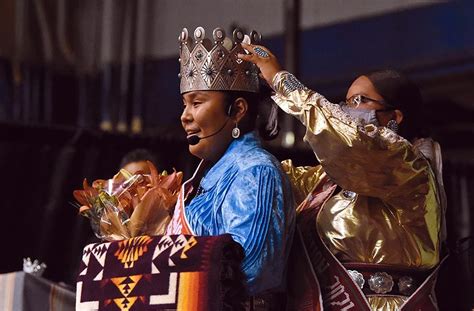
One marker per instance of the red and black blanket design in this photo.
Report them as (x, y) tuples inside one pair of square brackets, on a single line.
[(178, 272)]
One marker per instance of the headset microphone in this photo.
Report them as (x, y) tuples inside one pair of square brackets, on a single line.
[(193, 140)]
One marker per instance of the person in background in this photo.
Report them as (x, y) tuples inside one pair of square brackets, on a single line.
[(371, 219), (135, 161)]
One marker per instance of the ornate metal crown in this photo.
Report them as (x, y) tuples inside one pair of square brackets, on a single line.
[(33, 267), (214, 66)]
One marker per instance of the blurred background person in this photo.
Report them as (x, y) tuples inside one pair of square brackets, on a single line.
[(136, 160)]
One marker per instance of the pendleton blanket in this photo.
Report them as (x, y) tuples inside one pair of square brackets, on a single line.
[(169, 272)]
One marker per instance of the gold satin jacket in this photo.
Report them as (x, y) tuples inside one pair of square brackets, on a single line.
[(389, 209)]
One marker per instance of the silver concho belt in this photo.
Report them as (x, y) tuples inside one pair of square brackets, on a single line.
[(382, 282)]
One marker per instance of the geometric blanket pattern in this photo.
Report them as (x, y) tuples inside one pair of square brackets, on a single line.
[(167, 272)]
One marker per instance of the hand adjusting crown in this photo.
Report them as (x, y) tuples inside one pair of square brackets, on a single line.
[(207, 66)]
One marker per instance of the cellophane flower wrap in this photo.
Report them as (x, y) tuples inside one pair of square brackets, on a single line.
[(130, 205)]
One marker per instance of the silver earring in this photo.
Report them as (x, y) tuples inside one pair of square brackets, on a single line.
[(236, 131), (393, 125)]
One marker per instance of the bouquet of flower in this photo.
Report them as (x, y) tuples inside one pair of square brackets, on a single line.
[(130, 205)]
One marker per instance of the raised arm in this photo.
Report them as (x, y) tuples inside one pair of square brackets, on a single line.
[(363, 158)]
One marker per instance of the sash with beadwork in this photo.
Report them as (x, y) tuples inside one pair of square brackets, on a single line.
[(316, 278)]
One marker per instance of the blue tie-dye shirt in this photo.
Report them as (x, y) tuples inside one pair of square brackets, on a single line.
[(247, 195)]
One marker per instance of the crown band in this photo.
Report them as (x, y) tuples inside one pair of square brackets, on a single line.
[(214, 66)]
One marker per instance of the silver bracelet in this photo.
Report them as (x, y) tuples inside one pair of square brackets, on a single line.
[(290, 83)]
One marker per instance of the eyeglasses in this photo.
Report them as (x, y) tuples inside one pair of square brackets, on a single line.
[(355, 100)]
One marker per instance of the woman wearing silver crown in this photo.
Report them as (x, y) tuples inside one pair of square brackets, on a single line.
[(238, 188), (369, 229)]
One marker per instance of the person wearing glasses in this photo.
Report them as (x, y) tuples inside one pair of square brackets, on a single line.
[(370, 222)]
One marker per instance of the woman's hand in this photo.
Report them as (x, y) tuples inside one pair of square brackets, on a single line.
[(264, 59)]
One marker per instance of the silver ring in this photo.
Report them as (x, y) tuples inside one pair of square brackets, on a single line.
[(261, 52)]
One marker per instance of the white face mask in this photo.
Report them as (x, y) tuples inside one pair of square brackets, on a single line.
[(365, 115)]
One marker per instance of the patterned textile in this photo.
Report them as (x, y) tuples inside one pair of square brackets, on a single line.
[(22, 291), (177, 272)]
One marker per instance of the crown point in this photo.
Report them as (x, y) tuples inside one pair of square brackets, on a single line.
[(238, 35), (199, 33), (183, 37), (218, 34), (255, 37)]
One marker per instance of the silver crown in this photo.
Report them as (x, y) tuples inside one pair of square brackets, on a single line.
[(33, 267), (207, 65)]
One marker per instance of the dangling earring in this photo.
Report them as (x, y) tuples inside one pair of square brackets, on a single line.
[(236, 131), (393, 125)]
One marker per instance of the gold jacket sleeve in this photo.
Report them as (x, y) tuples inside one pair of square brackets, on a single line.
[(303, 178)]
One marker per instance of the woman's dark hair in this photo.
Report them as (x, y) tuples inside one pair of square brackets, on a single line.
[(403, 94), (262, 112), (138, 155)]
